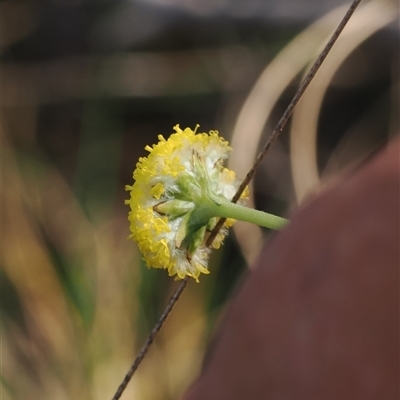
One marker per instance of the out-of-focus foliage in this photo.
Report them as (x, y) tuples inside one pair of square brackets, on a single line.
[(85, 86)]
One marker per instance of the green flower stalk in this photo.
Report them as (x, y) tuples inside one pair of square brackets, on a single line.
[(181, 189)]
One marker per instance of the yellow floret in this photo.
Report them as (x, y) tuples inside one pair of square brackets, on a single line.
[(157, 180)]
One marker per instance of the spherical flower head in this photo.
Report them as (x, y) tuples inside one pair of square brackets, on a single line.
[(166, 216)]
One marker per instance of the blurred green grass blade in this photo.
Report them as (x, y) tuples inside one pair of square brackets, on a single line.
[(78, 288), (11, 307)]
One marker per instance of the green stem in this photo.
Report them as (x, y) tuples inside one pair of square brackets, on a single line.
[(226, 209)]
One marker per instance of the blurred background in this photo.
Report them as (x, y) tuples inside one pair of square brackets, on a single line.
[(86, 84)]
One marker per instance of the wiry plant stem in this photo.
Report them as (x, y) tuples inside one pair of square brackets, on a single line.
[(150, 338), (288, 112), (275, 133)]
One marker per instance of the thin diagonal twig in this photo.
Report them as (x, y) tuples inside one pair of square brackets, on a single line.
[(275, 133), (150, 338), (289, 111)]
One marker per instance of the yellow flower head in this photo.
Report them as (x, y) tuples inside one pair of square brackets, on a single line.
[(166, 217)]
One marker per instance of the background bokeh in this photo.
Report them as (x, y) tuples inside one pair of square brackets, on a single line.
[(85, 86)]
